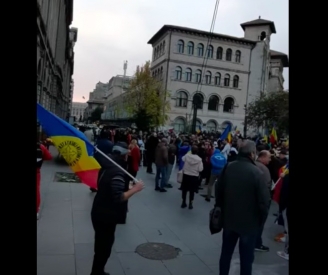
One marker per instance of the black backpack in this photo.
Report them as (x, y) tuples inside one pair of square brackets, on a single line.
[(39, 156)]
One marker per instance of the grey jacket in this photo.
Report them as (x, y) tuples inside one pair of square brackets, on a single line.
[(266, 173), (243, 196)]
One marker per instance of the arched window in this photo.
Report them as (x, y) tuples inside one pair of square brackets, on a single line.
[(227, 80), (208, 77), (190, 48), (179, 125), (219, 53), (182, 99), (210, 51), (228, 54), (211, 126), (228, 105), (198, 76), (199, 99), (161, 49), (155, 53), (235, 81), (213, 103), (39, 69), (164, 46), (161, 72), (199, 124), (238, 55), (157, 50), (153, 74), (178, 73), (188, 74), (200, 49), (217, 79), (180, 46)]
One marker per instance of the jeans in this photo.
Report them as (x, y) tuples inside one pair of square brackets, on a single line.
[(104, 240), (210, 185), (160, 171), (246, 251), (168, 172)]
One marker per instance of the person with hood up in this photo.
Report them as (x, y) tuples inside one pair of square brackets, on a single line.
[(218, 161), (193, 165), (105, 146), (110, 205)]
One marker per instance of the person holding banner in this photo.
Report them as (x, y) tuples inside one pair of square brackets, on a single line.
[(110, 204)]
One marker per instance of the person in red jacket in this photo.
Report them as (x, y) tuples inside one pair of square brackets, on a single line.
[(42, 154), (134, 158)]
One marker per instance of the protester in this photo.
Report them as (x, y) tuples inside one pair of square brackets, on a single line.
[(151, 145), (243, 197), (105, 146), (193, 165), (42, 154), (226, 149), (262, 161), (110, 205), (218, 161), (172, 151), (161, 161), (284, 208), (133, 158)]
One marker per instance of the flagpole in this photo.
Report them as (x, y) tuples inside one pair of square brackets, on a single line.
[(118, 166)]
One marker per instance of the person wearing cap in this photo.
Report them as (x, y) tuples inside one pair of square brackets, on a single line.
[(110, 204)]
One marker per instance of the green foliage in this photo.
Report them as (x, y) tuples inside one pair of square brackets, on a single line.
[(146, 100), (96, 114), (270, 109)]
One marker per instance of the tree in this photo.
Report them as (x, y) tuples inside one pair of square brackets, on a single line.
[(270, 109), (145, 100), (96, 114)]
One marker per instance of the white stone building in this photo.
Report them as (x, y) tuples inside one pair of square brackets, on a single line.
[(228, 72), (117, 86), (78, 110)]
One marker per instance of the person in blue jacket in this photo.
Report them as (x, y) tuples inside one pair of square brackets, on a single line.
[(218, 162), (182, 151)]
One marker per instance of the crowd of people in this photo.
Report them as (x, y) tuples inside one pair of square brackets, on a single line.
[(245, 175)]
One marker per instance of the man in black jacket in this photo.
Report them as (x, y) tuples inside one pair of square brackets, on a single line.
[(243, 196), (110, 205)]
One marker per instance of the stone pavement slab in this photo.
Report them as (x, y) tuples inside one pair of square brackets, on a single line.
[(65, 234)]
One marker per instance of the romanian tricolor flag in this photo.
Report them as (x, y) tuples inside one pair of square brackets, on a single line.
[(229, 137), (273, 136), (72, 145), (278, 185), (227, 132)]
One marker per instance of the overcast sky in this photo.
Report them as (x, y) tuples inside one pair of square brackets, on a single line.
[(111, 31)]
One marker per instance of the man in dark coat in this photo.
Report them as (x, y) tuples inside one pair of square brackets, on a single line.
[(150, 146), (110, 205), (243, 196)]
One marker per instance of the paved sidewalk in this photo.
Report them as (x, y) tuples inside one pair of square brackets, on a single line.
[(65, 234)]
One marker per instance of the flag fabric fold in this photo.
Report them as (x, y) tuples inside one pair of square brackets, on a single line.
[(226, 132), (72, 145), (273, 136)]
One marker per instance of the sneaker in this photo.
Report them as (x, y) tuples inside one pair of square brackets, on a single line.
[(190, 206), (262, 248), (207, 199), (283, 254), (169, 186), (162, 190), (157, 189), (183, 205)]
